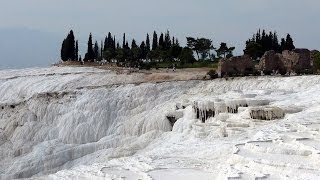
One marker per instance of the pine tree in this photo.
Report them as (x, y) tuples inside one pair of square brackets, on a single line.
[(155, 41)]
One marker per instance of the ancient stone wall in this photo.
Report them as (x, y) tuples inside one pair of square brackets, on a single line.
[(298, 61), (272, 61), (238, 65)]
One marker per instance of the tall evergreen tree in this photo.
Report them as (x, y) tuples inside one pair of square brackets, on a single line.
[(289, 43), (105, 43), (167, 41), (148, 43), (155, 41), (134, 44), (72, 47), (114, 42), (283, 44), (68, 48), (90, 52), (64, 56), (124, 41), (143, 50), (110, 40), (101, 50), (96, 51), (77, 51), (161, 41)]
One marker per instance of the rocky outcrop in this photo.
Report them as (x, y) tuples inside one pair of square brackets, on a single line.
[(295, 61), (235, 66)]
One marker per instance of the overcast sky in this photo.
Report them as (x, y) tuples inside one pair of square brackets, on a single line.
[(231, 21)]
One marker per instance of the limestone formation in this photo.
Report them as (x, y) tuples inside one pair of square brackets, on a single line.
[(266, 113), (238, 65)]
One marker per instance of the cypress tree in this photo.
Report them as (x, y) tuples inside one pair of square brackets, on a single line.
[(64, 53), (155, 41), (77, 51), (134, 44), (283, 44), (96, 51), (101, 50), (71, 50), (105, 43), (68, 48), (289, 43), (90, 52), (144, 50), (124, 40), (161, 41), (148, 43), (167, 41), (110, 41)]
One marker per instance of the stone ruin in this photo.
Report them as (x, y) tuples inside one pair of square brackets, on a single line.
[(288, 62), (295, 61), (235, 66), (313, 54)]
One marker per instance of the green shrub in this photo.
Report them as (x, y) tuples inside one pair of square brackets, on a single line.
[(212, 73)]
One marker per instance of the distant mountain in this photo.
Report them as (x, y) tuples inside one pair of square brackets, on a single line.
[(21, 48)]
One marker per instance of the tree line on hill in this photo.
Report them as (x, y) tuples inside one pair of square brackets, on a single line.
[(165, 48)]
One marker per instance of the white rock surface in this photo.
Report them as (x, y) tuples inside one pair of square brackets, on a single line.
[(85, 123)]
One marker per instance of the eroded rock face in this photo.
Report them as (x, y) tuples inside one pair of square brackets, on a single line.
[(238, 65), (297, 60)]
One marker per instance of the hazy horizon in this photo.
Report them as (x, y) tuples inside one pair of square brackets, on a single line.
[(42, 24)]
